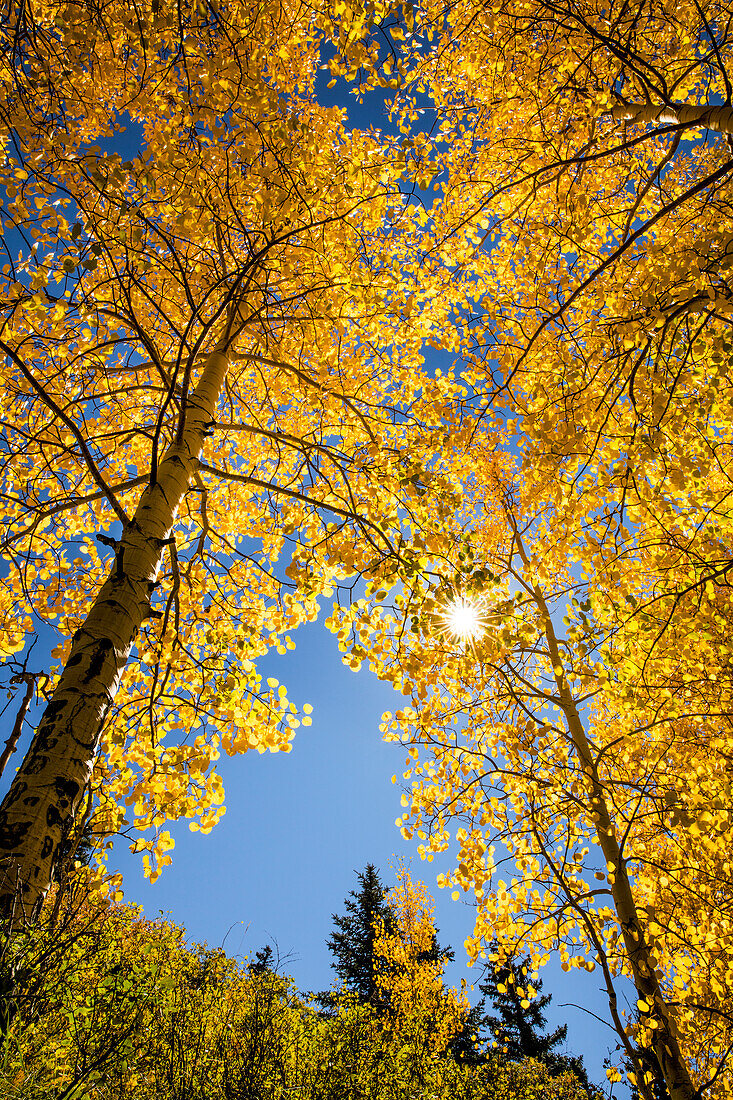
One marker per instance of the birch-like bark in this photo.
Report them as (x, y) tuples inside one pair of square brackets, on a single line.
[(665, 1045), (676, 114), (44, 796)]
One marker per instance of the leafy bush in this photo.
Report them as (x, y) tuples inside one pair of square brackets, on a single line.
[(99, 1003)]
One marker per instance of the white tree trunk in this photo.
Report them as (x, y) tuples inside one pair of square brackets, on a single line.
[(44, 796), (713, 118)]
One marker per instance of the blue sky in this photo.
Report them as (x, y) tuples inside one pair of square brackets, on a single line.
[(299, 825)]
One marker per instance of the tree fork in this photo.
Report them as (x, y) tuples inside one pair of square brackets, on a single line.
[(47, 789)]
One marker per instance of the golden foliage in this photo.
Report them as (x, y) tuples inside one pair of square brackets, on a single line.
[(103, 1003), (410, 972), (585, 216), (253, 225), (576, 258)]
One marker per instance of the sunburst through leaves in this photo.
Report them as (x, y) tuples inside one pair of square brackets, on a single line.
[(464, 619)]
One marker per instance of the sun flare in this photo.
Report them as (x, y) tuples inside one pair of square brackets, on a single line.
[(464, 619)]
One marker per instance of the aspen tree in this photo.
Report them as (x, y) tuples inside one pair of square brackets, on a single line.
[(584, 162), (57, 769), (210, 364), (421, 1010), (505, 769)]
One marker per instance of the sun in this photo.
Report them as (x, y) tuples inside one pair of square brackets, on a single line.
[(463, 619)]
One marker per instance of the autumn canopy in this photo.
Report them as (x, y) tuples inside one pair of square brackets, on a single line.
[(221, 411)]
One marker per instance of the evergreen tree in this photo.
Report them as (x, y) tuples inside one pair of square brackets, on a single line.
[(650, 1062), (466, 1047), (352, 943), (650, 1065), (519, 1026), (264, 961)]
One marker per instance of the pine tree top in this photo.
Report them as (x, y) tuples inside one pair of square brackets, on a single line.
[(352, 943)]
